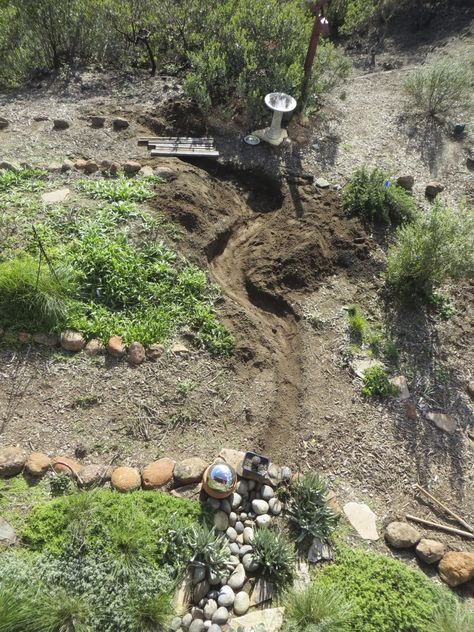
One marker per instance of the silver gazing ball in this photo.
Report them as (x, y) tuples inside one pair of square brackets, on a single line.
[(221, 478)]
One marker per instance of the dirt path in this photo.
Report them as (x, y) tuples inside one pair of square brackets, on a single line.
[(273, 325)]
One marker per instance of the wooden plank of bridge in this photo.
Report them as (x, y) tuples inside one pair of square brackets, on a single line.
[(180, 146)]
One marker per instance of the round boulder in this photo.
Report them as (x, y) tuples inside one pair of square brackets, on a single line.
[(72, 341), (456, 568), (189, 470), (120, 123), (94, 347), (116, 347), (220, 616), (126, 479), (95, 474), (430, 551), (37, 464), (401, 535), (157, 474), (65, 465), (136, 353), (131, 167), (241, 603)]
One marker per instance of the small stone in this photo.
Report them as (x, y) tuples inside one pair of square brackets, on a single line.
[(179, 348), (146, 171), (187, 620), (238, 577), (131, 167), (249, 535), (239, 527), (97, 121), (321, 183), (91, 166), (220, 616), (430, 551), (264, 520), (95, 475), (105, 165), (3, 123), (12, 461), (72, 341), (37, 464), (250, 565), (456, 568), (199, 575), (241, 603), (401, 384), (432, 189), (225, 506), (319, 551), (442, 421), (60, 124), (213, 504), (243, 516), (267, 492), (270, 620), (406, 182), (65, 465), (126, 479), (24, 337), (235, 500), (470, 389), (154, 352), (46, 340), (234, 560), (363, 519), (401, 535), (189, 470), (165, 173), (175, 624), (196, 626), (226, 597), (114, 168), (275, 506), (200, 590), (232, 519), (215, 628), (54, 167), (213, 578), (67, 165), (115, 347), (242, 487), (231, 534), (80, 164), (94, 347), (8, 166), (234, 458), (234, 548), (221, 520), (120, 123), (7, 533), (158, 473), (136, 353), (410, 410), (245, 549), (260, 507), (210, 608), (213, 594)]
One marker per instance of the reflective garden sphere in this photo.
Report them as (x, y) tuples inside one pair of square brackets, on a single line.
[(220, 480)]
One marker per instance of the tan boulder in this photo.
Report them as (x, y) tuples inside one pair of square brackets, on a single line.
[(91, 166), (457, 568), (24, 337), (115, 347), (80, 164), (72, 340), (154, 351), (12, 461), (65, 465), (401, 535), (94, 347), (126, 479), (37, 464), (131, 166), (430, 551), (157, 474), (189, 470), (95, 475)]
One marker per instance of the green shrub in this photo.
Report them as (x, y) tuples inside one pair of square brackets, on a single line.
[(368, 196), (126, 526), (438, 246), (441, 88), (386, 595), (275, 555), (34, 296), (308, 509), (120, 189), (209, 549), (357, 323), (317, 609), (376, 383)]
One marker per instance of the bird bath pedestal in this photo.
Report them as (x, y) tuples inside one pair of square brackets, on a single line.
[(279, 103)]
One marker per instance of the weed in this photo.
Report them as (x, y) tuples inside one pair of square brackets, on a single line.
[(308, 509), (374, 198), (185, 387), (357, 323), (376, 383), (62, 485), (275, 554), (317, 609), (85, 401), (121, 189)]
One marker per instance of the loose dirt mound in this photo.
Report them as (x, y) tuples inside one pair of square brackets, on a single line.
[(265, 242)]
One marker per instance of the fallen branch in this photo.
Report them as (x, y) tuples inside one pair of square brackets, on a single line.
[(443, 527), (444, 508)]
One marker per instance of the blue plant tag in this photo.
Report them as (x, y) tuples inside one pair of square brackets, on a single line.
[(387, 184)]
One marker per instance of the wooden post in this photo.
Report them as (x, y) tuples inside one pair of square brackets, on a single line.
[(317, 9)]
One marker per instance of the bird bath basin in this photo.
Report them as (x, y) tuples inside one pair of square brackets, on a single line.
[(279, 103)]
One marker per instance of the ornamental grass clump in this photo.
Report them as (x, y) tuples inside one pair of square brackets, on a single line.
[(275, 554), (308, 509), (317, 609)]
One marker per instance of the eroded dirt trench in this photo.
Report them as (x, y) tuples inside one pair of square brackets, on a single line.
[(265, 246)]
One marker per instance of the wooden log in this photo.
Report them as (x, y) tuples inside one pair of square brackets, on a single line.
[(465, 524), (443, 527)]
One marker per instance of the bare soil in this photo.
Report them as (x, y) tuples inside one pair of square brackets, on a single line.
[(289, 262)]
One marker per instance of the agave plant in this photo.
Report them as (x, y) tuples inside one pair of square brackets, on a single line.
[(308, 509), (209, 549), (275, 554)]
